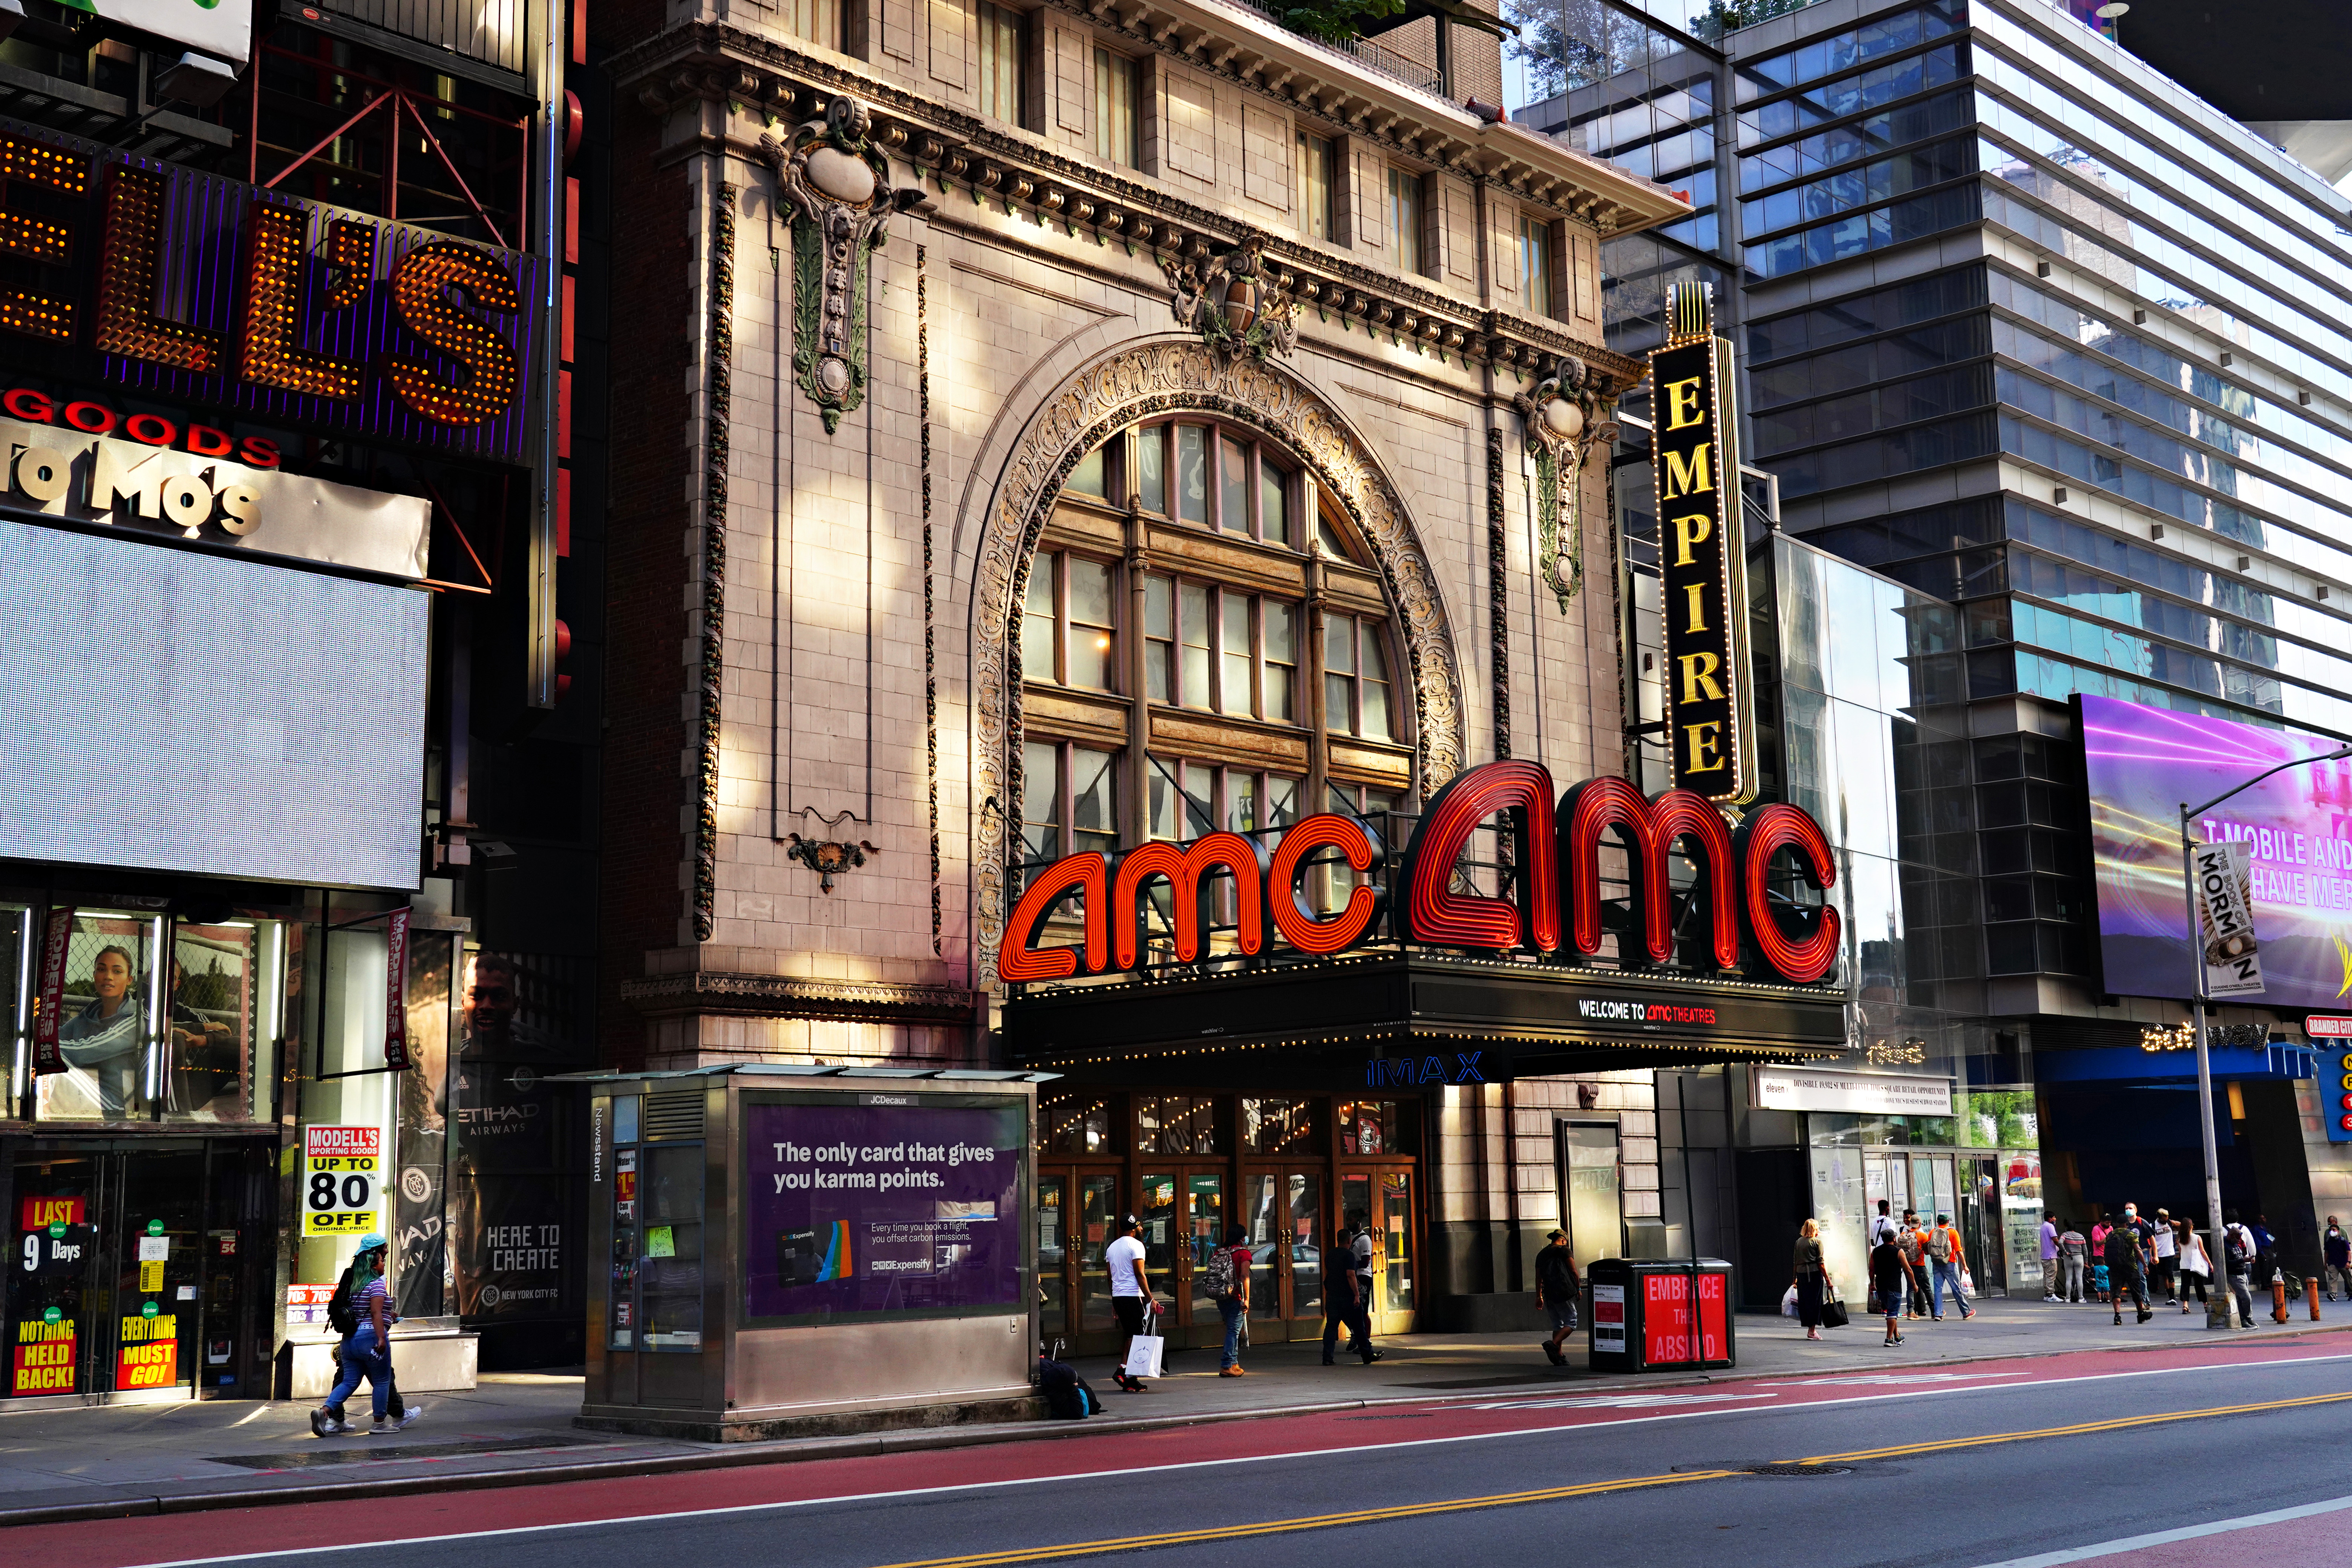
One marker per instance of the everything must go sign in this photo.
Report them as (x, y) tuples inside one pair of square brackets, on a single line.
[(856, 1209)]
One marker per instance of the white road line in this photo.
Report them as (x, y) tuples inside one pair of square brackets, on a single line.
[(2166, 1537), (675, 1515)]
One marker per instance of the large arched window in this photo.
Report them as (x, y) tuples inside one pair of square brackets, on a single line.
[(1203, 646)]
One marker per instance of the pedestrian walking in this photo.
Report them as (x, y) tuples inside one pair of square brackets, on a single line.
[(1343, 1303), (1557, 1289), (2237, 1262), (1367, 1281), (1812, 1278), (367, 1353), (1913, 1239), (1890, 1276), (1949, 1263), (1130, 1296), (2126, 1266), (2099, 1228), (2336, 1254), (2165, 1263), (2050, 1257), (1227, 1280), (2195, 1268), (2265, 1267), (2074, 1246)]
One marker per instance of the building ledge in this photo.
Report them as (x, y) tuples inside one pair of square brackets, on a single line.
[(778, 996)]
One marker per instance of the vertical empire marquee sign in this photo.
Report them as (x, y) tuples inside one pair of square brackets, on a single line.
[(1701, 554)]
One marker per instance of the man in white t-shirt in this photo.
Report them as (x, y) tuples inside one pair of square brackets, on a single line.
[(1130, 1295)]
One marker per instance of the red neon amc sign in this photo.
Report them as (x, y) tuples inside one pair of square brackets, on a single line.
[(1558, 841)]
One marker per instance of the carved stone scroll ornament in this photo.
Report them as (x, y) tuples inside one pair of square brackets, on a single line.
[(1566, 413), (1133, 383), (1233, 304), (837, 184)]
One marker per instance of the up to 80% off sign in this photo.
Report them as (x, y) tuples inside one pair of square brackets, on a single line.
[(343, 1174)]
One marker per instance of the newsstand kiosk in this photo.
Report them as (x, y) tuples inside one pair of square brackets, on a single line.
[(1659, 1314), (786, 1250)]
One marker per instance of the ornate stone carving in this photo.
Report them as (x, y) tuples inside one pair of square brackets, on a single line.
[(714, 446), (837, 183), (1566, 413), (1237, 310), (1132, 383)]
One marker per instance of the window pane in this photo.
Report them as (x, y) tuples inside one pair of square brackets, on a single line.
[(1087, 478), (1281, 639), (1273, 502), (1329, 538), (1094, 801), (1151, 468), (1535, 265), (1192, 600), (1233, 697), (1241, 802), (1037, 623), (1163, 789), (1115, 108), (1233, 497), (1159, 607), (1091, 647), (1375, 723), (1200, 810), (1404, 218), (1281, 802), (1192, 473), (1160, 626), (1314, 187), (1338, 704), (1339, 645), (1041, 833), (999, 62)]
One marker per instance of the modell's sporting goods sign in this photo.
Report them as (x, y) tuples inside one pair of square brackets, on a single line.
[(196, 490), (1558, 906)]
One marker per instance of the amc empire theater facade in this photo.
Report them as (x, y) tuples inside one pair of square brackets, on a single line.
[(1170, 465)]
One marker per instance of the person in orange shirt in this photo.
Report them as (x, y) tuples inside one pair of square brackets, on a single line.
[(1945, 1257)]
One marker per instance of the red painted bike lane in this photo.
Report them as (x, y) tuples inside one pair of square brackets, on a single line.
[(290, 1527)]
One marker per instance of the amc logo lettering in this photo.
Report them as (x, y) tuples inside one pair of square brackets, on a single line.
[(1558, 906), (1600, 1012)]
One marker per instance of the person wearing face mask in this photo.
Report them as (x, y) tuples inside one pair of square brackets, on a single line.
[(104, 1038), (2336, 1252)]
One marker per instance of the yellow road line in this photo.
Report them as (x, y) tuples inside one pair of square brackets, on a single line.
[(2079, 1429), (1019, 1554), (1321, 1521)]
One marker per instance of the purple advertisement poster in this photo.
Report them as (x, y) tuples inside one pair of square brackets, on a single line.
[(882, 1208), (2142, 765)]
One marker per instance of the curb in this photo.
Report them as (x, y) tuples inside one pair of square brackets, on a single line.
[(922, 1440)]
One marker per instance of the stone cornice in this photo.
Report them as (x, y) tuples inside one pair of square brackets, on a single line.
[(777, 996), (715, 64)]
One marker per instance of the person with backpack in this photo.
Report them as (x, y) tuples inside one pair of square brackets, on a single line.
[(1944, 1255), (366, 1352), (2336, 1259), (2238, 1264), (1913, 1239), (2072, 1247), (1227, 1280), (1557, 1290)]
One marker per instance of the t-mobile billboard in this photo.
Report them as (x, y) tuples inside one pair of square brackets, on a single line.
[(882, 1207), (2142, 765)]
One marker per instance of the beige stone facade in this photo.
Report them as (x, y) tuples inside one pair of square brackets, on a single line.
[(859, 695)]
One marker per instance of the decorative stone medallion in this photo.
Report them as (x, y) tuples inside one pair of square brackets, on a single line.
[(1233, 304), (1566, 413)]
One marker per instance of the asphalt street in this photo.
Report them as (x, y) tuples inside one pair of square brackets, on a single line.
[(1999, 1466)]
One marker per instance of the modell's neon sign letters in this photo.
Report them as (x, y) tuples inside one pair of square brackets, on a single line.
[(1559, 906), (221, 292)]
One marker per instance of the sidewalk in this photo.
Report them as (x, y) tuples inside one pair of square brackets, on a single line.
[(516, 1428)]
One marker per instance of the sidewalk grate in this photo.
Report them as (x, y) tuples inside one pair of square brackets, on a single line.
[(361, 1451)]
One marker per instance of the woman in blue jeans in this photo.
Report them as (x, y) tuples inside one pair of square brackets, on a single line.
[(368, 1352)]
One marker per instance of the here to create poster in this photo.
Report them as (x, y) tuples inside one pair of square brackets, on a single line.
[(879, 1208)]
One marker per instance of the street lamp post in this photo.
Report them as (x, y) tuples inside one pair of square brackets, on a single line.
[(2218, 1300)]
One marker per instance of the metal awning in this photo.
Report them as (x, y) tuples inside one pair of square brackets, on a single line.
[(1411, 1018)]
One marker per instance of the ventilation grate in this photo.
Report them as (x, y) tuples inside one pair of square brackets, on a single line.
[(674, 1115)]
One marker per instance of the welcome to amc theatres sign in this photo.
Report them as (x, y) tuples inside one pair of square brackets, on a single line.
[(186, 286), (1557, 842)]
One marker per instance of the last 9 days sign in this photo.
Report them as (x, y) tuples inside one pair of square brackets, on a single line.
[(1702, 556)]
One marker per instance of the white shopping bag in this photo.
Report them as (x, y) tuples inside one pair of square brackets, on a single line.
[(1789, 1303), (1143, 1356)]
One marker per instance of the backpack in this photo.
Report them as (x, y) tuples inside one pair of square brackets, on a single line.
[(1939, 1244), (1217, 1279), (340, 1317), (1066, 1394)]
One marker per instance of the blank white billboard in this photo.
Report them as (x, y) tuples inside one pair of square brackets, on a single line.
[(170, 711)]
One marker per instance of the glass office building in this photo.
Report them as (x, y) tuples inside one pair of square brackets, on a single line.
[(2059, 346)]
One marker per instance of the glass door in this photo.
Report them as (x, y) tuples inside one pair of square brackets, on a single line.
[(1282, 1211), (1204, 1217), (52, 1301), (1097, 1219), (156, 1267), (1054, 1258), (1395, 1248), (1303, 1190), (1266, 1219), (1356, 1216)]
